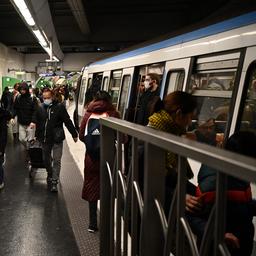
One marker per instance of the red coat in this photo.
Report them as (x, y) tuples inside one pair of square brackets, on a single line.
[(91, 187)]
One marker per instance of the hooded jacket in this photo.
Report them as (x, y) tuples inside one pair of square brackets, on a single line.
[(91, 187), (49, 119), (25, 106)]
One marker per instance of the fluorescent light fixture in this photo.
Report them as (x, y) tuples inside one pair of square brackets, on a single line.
[(40, 37), (55, 58), (48, 50), (21, 5)]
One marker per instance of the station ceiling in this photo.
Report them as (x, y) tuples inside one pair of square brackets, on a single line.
[(112, 25)]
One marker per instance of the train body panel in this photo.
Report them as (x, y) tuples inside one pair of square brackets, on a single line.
[(219, 54)]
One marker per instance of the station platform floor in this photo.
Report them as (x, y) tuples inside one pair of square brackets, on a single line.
[(36, 222)]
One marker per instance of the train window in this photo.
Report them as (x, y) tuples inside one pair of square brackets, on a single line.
[(124, 93), (114, 86), (249, 112), (105, 83), (212, 84), (175, 79), (82, 91)]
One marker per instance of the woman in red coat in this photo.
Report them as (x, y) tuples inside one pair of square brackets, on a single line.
[(102, 103)]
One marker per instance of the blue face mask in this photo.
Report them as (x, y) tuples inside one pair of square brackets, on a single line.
[(47, 102)]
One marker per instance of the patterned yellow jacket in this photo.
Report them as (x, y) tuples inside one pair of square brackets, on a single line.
[(162, 121)]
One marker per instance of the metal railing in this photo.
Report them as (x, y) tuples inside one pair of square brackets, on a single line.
[(135, 224)]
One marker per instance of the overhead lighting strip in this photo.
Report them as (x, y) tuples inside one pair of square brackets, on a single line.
[(39, 34), (21, 5)]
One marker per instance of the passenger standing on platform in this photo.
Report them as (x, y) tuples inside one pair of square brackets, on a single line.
[(50, 118), (15, 123), (173, 115), (102, 103), (5, 116), (6, 99), (151, 91), (25, 107)]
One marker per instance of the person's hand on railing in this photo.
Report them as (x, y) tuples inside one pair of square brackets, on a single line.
[(193, 204)]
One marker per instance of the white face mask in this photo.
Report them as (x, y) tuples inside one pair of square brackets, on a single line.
[(47, 102), (147, 84)]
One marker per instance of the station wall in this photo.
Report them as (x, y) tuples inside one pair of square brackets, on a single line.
[(10, 60)]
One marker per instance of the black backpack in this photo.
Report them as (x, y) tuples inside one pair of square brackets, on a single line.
[(92, 135)]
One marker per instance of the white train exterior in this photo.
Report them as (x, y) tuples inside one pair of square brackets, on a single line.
[(224, 52)]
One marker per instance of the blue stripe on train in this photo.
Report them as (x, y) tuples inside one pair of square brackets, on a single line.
[(233, 23)]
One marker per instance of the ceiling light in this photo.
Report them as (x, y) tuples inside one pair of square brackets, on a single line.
[(21, 5), (40, 37)]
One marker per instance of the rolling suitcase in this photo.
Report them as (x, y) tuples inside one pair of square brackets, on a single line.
[(35, 153)]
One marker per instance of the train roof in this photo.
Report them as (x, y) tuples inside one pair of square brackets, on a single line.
[(240, 21)]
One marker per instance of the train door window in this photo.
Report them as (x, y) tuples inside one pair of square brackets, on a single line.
[(82, 91), (124, 94), (175, 79), (87, 92), (212, 84), (249, 111), (105, 83), (114, 86)]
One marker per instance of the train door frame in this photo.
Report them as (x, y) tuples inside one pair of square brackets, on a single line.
[(106, 75), (249, 59), (174, 66), (126, 72), (82, 91)]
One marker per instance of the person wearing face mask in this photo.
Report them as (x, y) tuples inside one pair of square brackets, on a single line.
[(50, 118), (24, 108), (151, 92)]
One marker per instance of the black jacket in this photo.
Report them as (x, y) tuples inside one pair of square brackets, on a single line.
[(5, 116), (145, 103), (25, 107), (50, 120)]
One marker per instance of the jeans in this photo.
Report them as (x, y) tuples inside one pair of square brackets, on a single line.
[(1, 168), (52, 159)]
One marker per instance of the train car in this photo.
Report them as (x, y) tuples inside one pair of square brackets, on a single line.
[(217, 64)]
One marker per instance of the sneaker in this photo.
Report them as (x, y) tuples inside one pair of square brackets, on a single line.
[(92, 229), (54, 187), (1, 185)]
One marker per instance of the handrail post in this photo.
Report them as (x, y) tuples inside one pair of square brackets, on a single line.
[(152, 240), (107, 150), (181, 193)]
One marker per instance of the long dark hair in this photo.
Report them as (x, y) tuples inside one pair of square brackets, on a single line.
[(103, 95), (174, 101)]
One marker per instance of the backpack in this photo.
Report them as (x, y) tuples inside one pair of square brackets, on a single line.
[(92, 135)]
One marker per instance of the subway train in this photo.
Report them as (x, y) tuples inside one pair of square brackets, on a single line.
[(217, 64)]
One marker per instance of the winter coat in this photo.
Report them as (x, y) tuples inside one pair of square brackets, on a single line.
[(49, 121), (91, 186), (5, 116), (145, 102), (25, 107)]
